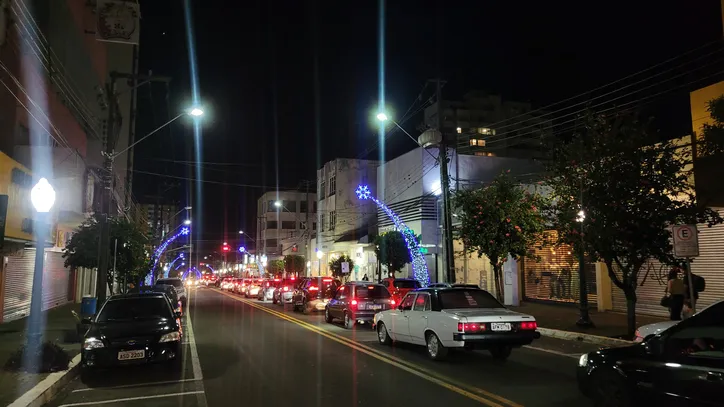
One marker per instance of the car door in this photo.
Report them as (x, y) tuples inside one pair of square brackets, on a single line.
[(336, 304), (417, 318), (400, 319)]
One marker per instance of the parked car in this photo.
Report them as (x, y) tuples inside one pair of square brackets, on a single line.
[(399, 287), (243, 286), (267, 288), (683, 365), (170, 292), (448, 285), (284, 293), (178, 285), (253, 288), (227, 283), (132, 329), (313, 293), (358, 302), (444, 318), (658, 327)]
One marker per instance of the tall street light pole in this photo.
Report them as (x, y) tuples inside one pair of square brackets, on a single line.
[(42, 197), (585, 318)]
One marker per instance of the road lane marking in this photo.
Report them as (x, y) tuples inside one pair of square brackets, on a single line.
[(555, 352), (158, 396), (390, 359), (195, 363), (126, 386)]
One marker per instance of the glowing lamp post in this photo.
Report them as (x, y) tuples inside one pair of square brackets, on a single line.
[(320, 254), (585, 316), (42, 197)]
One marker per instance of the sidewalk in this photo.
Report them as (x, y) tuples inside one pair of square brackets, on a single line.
[(60, 327), (564, 316)]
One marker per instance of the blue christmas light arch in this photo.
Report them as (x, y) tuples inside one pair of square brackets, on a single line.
[(419, 265), (162, 248), (194, 269)]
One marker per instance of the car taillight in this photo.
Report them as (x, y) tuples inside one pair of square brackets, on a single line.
[(471, 327), (285, 289), (529, 325), (392, 302), (353, 303), (314, 288), (326, 280)]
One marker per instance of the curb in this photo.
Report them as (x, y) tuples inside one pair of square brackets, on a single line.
[(588, 338), (44, 391)]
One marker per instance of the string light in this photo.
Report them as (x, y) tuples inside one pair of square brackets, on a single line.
[(162, 248), (419, 265)]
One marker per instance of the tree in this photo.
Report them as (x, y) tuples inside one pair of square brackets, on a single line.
[(82, 250), (392, 251), (336, 267), (276, 267), (630, 188), (294, 264), (500, 219), (713, 134)]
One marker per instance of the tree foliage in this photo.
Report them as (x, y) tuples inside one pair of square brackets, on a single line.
[(294, 264), (276, 267), (713, 133), (83, 248), (631, 188), (335, 266), (500, 219), (391, 249)]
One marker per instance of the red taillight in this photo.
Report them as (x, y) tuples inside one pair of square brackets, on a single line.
[(353, 303), (529, 325), (285, 289), (326, 280), (392, 302), (277, 280), (471, 327), (313, 288)]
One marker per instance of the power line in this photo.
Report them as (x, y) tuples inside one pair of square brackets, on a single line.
[(231, 184)]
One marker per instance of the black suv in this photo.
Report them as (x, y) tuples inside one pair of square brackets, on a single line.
[(358, 302), (313, 293)]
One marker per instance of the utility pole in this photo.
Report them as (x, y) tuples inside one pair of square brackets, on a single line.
[(448, 254)]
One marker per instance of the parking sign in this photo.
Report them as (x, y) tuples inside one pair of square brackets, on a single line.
[(686, 241)]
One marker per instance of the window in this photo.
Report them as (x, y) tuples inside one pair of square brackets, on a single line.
[(332, 219), (486, 131), (698, 342), (271, 224), (332, 185), (413, 284), (422, 303), (303, 225), (270, 207), (314, 226), (315, 207), (477, 142), (341, 293), (459, 130), (322, 190), (454, 299), (321, 223), (371, 291), (272, 244), (303, 206), (292, 234), (289, 206), (151, 308), (289, 224), (407, 302)]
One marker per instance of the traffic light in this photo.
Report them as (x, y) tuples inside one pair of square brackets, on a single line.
[(225, 248), (295, 248)]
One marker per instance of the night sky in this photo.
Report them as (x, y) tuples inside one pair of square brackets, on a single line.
[(256, 76)]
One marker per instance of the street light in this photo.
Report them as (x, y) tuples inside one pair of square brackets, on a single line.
[(241, 232), (187, 222), (382, 117), (196, 112), (42, 196), (320, 254), (278, 204), (585, 317)]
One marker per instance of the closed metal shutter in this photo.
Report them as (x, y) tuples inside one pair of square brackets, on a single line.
[(653, 276), (55, 281), (18, 285)]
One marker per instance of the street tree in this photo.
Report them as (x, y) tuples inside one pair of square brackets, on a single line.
[(392, 251), (294, 264), (276, 267), (712, 140), (617, 189), (127, 242), (500, 219), (335, 265)]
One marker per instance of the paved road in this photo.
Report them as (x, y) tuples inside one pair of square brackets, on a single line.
[(263, 355)]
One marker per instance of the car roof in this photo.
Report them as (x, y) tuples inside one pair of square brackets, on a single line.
[(167, 279), (143, 294)]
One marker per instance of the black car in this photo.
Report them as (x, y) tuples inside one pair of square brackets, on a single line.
[(358, 302), (171, 294), (133, 329), (313, 293), (681, 366)]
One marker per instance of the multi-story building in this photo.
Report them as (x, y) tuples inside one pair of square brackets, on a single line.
[(53, 67), (486, 125), (344, 221), (162, 218), (285, 220)]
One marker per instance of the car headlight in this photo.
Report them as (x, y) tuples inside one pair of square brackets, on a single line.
[(170, 337), (583, 361), (92, 343)]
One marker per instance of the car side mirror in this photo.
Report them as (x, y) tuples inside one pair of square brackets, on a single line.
[(654, 345)]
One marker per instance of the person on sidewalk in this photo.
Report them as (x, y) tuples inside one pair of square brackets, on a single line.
[(677, 290)]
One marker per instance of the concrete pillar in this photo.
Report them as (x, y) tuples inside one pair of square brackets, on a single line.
[(604, 295), (511, 282)]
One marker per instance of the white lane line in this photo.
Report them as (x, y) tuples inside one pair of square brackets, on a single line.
[(158, 396), (126, 386), (195, 363), (555, 352)]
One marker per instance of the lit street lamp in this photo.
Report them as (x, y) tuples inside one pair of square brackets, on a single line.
[(187, 222), (320, 254), (42, 197)]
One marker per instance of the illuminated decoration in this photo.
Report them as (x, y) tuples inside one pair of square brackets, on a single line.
[(170, 266), (419, 265), (194, 269), (180, 265), (162, 248), (207, 265), (242, 249)]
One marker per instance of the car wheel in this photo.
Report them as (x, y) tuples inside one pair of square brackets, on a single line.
[(609, 389), (382, 334), (305, 308), (348, 322), (435, 349), (327, 316), (274, 300), (501, 352)]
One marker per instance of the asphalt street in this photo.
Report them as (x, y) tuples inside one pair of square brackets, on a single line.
[(243, 352)]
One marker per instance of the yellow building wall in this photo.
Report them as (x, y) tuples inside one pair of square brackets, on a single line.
[(698, 100)]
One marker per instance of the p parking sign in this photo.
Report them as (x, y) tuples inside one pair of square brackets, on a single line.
[(686, 241)]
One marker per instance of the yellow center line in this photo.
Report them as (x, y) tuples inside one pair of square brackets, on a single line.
[(417, 370)]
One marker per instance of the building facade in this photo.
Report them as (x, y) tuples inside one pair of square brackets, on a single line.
[(285, 220)]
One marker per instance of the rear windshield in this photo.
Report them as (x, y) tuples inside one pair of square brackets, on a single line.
[(453, 299), (371, 291), (288, 282), (131, 309), (406, 284), (174, 282)]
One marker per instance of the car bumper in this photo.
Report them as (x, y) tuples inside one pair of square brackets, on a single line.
[(317, 305), (495, 339), (365, 316), (286, 297), (108, 357)]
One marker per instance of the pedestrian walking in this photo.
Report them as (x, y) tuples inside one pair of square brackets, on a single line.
[(676, 290)]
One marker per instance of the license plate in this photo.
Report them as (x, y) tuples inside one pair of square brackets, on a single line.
[(131, 354), (500, 326), (375, 306)]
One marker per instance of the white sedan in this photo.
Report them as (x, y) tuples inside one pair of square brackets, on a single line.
[(444, 318)]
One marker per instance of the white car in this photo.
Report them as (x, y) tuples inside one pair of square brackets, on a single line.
[(444, 318), (658, 327)]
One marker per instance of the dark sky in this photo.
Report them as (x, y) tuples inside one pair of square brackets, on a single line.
[(250, 51)]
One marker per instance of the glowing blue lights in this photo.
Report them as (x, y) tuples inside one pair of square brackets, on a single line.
[(162, 248), (242, 249), (419, 265)]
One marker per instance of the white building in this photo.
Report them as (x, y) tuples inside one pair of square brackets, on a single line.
[(285, 220), (344, 221)]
